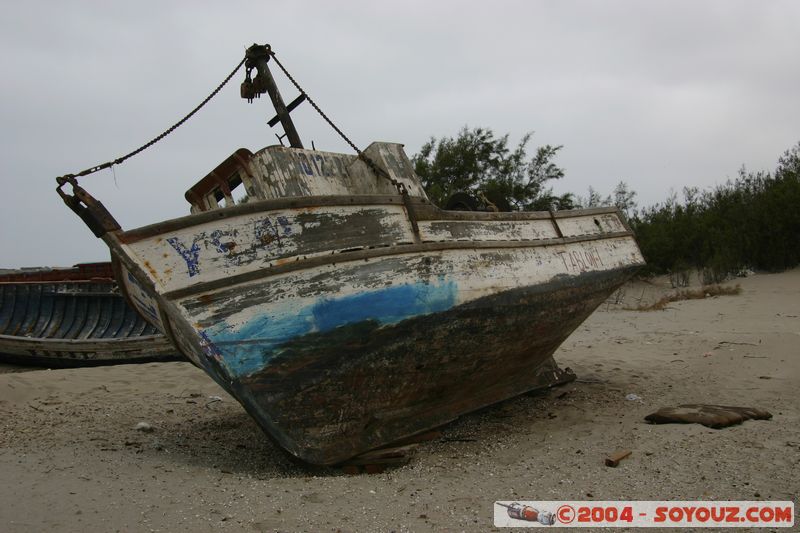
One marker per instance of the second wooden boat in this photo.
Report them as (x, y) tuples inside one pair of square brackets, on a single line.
[(75, 317)]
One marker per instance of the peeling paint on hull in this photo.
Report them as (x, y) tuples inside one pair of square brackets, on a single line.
[(246, 322), (249, 348), (329, 396)]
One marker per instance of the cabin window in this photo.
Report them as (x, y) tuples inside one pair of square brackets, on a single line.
[(238, 189), (219, 197)]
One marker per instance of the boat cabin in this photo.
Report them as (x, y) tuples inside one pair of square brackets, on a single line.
[(280, 172)]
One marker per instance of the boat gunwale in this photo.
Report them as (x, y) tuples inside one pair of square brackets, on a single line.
[(76, 353), (423, 211), (377, 252), (133, 339), (100, 281)]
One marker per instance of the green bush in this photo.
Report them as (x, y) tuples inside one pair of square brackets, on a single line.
[(751, 222)]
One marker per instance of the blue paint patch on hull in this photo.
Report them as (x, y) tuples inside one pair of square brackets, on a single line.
[(249, 347)]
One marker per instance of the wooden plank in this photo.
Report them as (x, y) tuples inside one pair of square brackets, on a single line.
[(395, 455), (614, 459)]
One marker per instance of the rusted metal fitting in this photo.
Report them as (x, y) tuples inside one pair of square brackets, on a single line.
[(247, 90), (255, 53), (255, 58), (92, 212)]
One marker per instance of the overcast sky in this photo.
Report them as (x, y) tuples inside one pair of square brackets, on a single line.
[(658, 94)]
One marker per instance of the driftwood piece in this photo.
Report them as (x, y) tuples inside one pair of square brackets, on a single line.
[(614, 459), (713, 416)]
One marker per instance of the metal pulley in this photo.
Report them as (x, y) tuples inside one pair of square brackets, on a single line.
[(256, 57), (247, 89)]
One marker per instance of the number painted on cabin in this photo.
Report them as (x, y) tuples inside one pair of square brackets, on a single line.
[(317, 164)]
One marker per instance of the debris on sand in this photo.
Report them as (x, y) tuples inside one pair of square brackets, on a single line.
[(705, 292), (713, 416), (614, 459), (144, 427)]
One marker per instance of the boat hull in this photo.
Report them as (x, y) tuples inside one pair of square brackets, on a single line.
[(338, 351), (330, 396), (75, 323)]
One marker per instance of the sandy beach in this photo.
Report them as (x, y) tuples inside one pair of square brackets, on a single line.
[(72, 459)]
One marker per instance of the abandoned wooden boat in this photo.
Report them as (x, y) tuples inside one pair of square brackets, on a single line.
[(340, 307), (61, 318)]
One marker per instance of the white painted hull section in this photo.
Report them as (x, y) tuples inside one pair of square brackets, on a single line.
[(237, 320)]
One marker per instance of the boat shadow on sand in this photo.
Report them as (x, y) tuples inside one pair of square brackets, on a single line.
[(218, 436)]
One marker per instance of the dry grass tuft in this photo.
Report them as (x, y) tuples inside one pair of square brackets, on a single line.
[(697, 294)]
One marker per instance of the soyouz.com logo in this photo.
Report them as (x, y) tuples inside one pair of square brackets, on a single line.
[(683, 514)]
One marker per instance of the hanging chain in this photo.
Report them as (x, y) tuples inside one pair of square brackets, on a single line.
[(101, 221), (119, 160), (370, 163)]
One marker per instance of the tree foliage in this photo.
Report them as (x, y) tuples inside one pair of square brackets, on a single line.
[(622, 197), (750, 222), (477, 161)]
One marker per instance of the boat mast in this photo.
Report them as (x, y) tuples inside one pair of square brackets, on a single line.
[(257, 57)]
